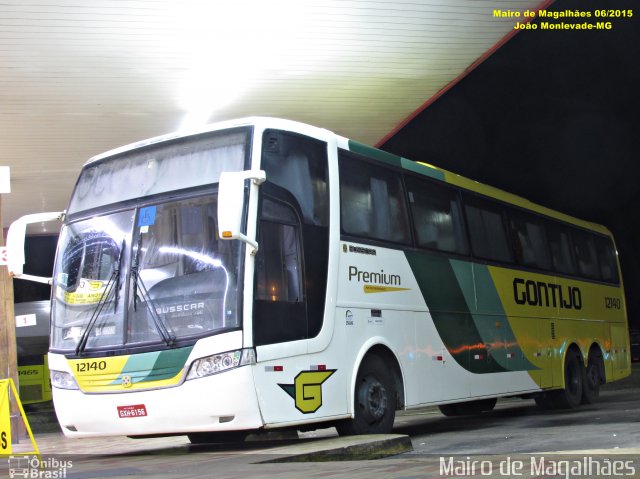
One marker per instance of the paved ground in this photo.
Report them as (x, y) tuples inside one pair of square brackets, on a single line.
[(596, 440), (518, 426)]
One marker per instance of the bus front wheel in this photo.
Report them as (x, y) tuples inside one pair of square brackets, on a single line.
[(374, 400)]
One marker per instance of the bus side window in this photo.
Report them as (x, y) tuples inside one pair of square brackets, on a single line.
[(585, 254), (372, 201), (529, 240), (487, 230), (560, 245), (436, 216), (299, 165), (607, 259)]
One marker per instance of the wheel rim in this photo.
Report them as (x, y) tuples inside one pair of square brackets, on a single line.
[(373, 399)]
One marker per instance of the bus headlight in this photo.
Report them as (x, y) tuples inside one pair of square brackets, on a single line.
[(221, 362), (62, 380)]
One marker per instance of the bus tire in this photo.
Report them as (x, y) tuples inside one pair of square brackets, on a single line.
[(374, 400), (593, 378), (217, 437), (571, 396), (468, 408)]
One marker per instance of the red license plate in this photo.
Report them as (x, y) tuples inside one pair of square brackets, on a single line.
[(136, 410)]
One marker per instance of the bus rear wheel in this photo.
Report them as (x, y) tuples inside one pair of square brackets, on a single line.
[(571, 396), (593, 378), (374, 400)]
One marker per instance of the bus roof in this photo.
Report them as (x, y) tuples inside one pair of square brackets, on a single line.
[(266, 122), (370, 152)]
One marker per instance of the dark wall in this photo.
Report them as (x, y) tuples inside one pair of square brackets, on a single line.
[(553, 116), (39, 256)]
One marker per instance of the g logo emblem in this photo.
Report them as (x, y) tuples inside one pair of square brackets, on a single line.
[(126, 381), (307, 389)]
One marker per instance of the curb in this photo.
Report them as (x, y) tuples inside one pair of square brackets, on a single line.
[(355, 448)]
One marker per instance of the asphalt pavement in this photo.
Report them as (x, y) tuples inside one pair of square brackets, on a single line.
[(515, 440)]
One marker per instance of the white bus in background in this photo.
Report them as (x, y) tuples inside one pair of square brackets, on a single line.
[(263, 273), (32, 312)]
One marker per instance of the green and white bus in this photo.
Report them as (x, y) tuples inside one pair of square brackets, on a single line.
[(263, 273)]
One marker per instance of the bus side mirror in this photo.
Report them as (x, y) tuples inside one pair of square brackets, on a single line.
[(16, 239), (231, 204)]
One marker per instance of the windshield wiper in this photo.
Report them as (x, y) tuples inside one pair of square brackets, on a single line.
[(168, 338), (110, 287)]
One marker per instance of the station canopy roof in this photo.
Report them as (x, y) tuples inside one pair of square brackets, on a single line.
[(78, 78)]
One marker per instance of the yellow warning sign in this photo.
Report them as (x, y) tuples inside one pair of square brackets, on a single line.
[(5, 419), (7, 439)]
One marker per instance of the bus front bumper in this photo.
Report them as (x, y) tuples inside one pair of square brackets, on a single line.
[(222, 402)]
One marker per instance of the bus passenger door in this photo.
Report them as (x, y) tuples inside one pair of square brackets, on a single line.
[(279, 308), (296, 377), (289, 387)]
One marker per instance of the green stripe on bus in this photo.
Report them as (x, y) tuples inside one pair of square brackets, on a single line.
[(443, 293), (168, 364), (155, 365), (490, 318), (422, 169), (374, 153)]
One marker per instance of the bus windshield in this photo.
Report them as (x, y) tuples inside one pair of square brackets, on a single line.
[(149, 275), (147, 269)]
